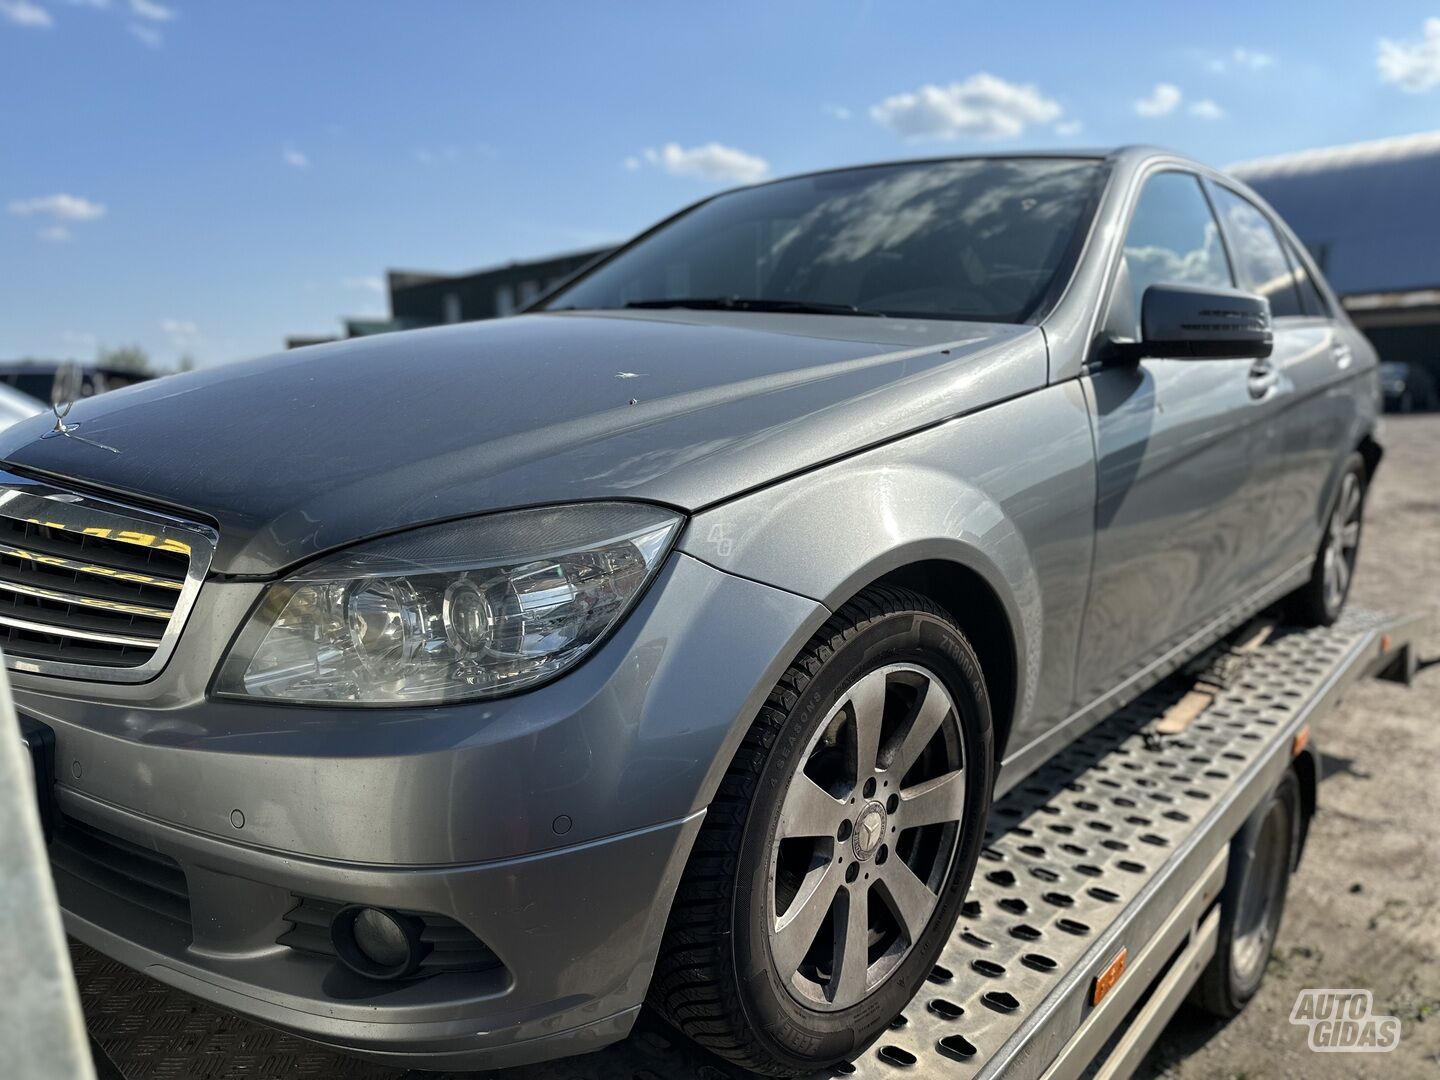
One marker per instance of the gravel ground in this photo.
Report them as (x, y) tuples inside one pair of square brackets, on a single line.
[(1364, 908)]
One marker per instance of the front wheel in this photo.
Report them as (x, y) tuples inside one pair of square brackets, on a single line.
[(834, 859)]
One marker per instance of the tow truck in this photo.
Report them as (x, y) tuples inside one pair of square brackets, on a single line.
[(1131, 872)]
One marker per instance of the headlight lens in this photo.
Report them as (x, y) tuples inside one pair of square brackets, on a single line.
[(463, 610)]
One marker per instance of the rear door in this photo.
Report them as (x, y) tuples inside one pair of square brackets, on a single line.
[(1307, 413), (1179, 512)]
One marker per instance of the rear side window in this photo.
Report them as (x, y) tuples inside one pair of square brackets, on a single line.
[(1260, 262), (1311, 302), (1172, 239)]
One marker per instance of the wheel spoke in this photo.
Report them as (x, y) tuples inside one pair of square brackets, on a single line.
[(809, 810), (1352, 498), (910, 898), (851, 961), (867, 705), (1332, 573), (795, 933), (1350, 537), (1342, 576), (934, 801), (930, 713)]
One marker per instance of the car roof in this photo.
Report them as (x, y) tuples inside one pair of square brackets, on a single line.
[(1130, 154)]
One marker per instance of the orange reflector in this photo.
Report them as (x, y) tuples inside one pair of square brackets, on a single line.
[(1302, 740), (1106, 980), (1385, 643)]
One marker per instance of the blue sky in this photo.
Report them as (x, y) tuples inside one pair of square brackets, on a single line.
[(207, 177)]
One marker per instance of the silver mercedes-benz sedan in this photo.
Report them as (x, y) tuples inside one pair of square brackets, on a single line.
[(446, 695)]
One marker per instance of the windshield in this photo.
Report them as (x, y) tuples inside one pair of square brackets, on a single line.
[(978, 239)]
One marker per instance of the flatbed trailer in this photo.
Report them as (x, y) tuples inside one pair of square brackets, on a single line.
[(1092, 914)]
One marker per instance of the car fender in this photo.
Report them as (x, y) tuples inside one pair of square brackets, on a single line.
[(981, 491)]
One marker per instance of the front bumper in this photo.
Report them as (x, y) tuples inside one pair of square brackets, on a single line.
[(553, 826), (576, 938)]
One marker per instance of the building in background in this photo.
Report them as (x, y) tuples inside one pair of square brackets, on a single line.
[(1370, 214), (421, 299), (36, 378)]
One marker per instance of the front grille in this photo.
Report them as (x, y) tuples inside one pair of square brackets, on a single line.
[(451, 946), (91, 589), (127, 872)]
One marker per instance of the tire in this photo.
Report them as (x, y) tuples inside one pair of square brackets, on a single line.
[(1262, 856), (778, 852), (1320, 600)]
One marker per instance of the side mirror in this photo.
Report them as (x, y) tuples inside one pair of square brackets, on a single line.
[(1200, 323)]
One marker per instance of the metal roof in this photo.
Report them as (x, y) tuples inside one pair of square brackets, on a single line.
[(1370, 212)]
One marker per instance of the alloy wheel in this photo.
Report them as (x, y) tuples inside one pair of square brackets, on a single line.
[(1342, 542), (866, 837)]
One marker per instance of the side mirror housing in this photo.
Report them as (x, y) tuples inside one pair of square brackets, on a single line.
[(1200, 323)]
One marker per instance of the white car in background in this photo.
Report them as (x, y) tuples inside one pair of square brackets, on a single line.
[(15, 406)]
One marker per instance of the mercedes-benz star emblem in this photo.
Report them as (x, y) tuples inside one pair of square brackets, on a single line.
[(869, 831), (68, 384)]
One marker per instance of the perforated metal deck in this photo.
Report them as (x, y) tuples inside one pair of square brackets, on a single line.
[(1096, 851)]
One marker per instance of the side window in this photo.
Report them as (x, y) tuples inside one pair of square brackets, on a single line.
[(1172, 240), (1260, 262), (1311, 300)]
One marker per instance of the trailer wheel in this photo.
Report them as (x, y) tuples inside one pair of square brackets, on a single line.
[(1262, 855), (833, 862)]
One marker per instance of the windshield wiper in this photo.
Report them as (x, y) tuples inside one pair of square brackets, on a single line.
[(745, 303)]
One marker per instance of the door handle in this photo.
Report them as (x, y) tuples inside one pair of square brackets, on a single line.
[(1264, 377), (1341, 354)]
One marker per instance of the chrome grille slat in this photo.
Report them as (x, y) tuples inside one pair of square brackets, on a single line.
[(32, 553), (45, 614), (122, 607), (61, 630), (90, 588)]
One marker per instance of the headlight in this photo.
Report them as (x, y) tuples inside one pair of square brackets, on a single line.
[(463, 610)]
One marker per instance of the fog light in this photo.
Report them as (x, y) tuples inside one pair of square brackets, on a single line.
[(376, 943)]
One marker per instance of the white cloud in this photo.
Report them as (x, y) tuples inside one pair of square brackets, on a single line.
[(368, 283), (98, 4), (56, 234), (1068, 128), (1253, 59), (147, 35), (294, 158), (434, 157), (1414, 66), (25, 13), (839, 112), (149, 9), (983, 106), (1162, 100), (1240, 58), (1206, 109), (182, 333), (61, 207), (713, 161)]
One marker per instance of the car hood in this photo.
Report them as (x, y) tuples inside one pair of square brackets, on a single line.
[(298, 453)]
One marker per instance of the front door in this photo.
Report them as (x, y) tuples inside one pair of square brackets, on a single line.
[(1179, 506)]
